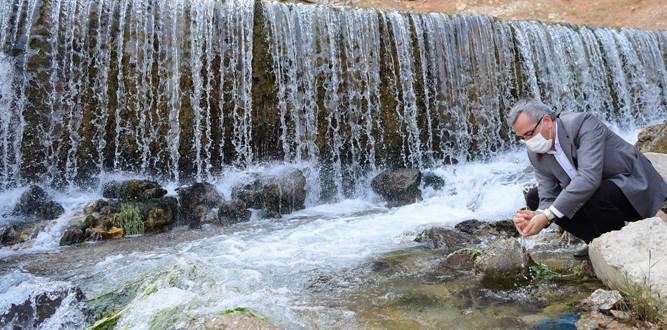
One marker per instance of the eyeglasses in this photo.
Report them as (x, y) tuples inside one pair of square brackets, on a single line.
[(530, 133)]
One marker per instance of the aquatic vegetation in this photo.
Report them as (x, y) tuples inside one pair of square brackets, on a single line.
[(130, 219)]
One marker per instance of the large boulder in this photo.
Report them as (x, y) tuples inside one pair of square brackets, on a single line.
[(32, 310), (20, 232), (504, 264), (231, 212), (250, 194), (133, 190), (481, 228), (285, 194), (398, 187), (36, 203), (633, 255), (446, 240), (653, 138), (112, 219), (197, 202), (276, 195), (659, 161)]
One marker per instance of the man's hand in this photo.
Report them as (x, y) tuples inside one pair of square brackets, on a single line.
[(521, 220), (536, 224)]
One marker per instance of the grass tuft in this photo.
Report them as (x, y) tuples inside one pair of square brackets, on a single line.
[(129, 218)]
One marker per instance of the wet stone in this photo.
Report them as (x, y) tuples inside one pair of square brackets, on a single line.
[(446, 240)]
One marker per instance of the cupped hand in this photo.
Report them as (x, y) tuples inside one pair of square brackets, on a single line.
[(535, 225), (521, 219)]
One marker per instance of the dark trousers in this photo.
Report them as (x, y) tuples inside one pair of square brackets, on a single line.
[(605, 211)]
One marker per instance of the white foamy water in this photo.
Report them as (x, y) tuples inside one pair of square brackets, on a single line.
[(267, 265)]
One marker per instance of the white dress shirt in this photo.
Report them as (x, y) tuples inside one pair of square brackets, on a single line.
[(565, 163)]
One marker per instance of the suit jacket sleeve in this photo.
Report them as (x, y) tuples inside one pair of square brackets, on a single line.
[(547, 189), (590, 155)]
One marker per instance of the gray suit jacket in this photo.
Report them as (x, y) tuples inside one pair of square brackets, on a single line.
[(598, 154)]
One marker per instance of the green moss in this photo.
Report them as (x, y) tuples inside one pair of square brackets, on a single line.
[(580, 274), (475, 254), (129, 218), (107, 322), (542, 273), (243, 311)]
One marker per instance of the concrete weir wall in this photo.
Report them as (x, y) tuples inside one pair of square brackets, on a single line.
[(181, 89)]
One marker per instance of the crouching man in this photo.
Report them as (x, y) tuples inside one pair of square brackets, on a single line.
[(589, 180)]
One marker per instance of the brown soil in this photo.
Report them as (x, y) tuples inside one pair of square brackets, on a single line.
[(639, 14)]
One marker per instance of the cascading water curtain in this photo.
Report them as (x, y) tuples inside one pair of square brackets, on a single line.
[(179, 89), (144, 86), (417, 90)]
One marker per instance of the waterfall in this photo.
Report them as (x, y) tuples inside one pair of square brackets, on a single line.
[(181, 89)]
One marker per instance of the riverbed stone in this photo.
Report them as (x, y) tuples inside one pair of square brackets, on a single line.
[(432, 180), (446, 240), (40, 305), (481, 228), (285, 193), (73, 235), (462, 259), (602, 300), (503, 264), (36, 203), (133, 190), (653, 138), (196, 202), (398, 187), (234, 211), (95, 206), (276, 195), (630, 254)]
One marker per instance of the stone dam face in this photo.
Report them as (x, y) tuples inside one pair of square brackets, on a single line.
[(180, 90)]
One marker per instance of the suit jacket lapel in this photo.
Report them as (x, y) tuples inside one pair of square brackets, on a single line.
[(565, 141)]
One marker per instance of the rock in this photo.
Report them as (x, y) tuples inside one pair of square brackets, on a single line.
[(433, 181), (20, 232), (200, 193), (250, 194), (159, 214), (481, 228), (276, 195), (632, 252), (398, 187), (471, 226), (602, 300), (659, 161), (115, 233), (653, 138), (556, 259), (503, 227), (231, 212), (95, 206), (72, 235), (237, 318), (463, 259), (503, 264), (133, 190), (446, 240), (285, 194), (197, 202), (595, 320), (35, 202), (40, 305)]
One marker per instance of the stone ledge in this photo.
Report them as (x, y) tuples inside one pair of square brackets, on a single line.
[(626, 251)]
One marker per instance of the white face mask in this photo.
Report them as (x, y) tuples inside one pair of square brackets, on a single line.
[(538, 144)]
